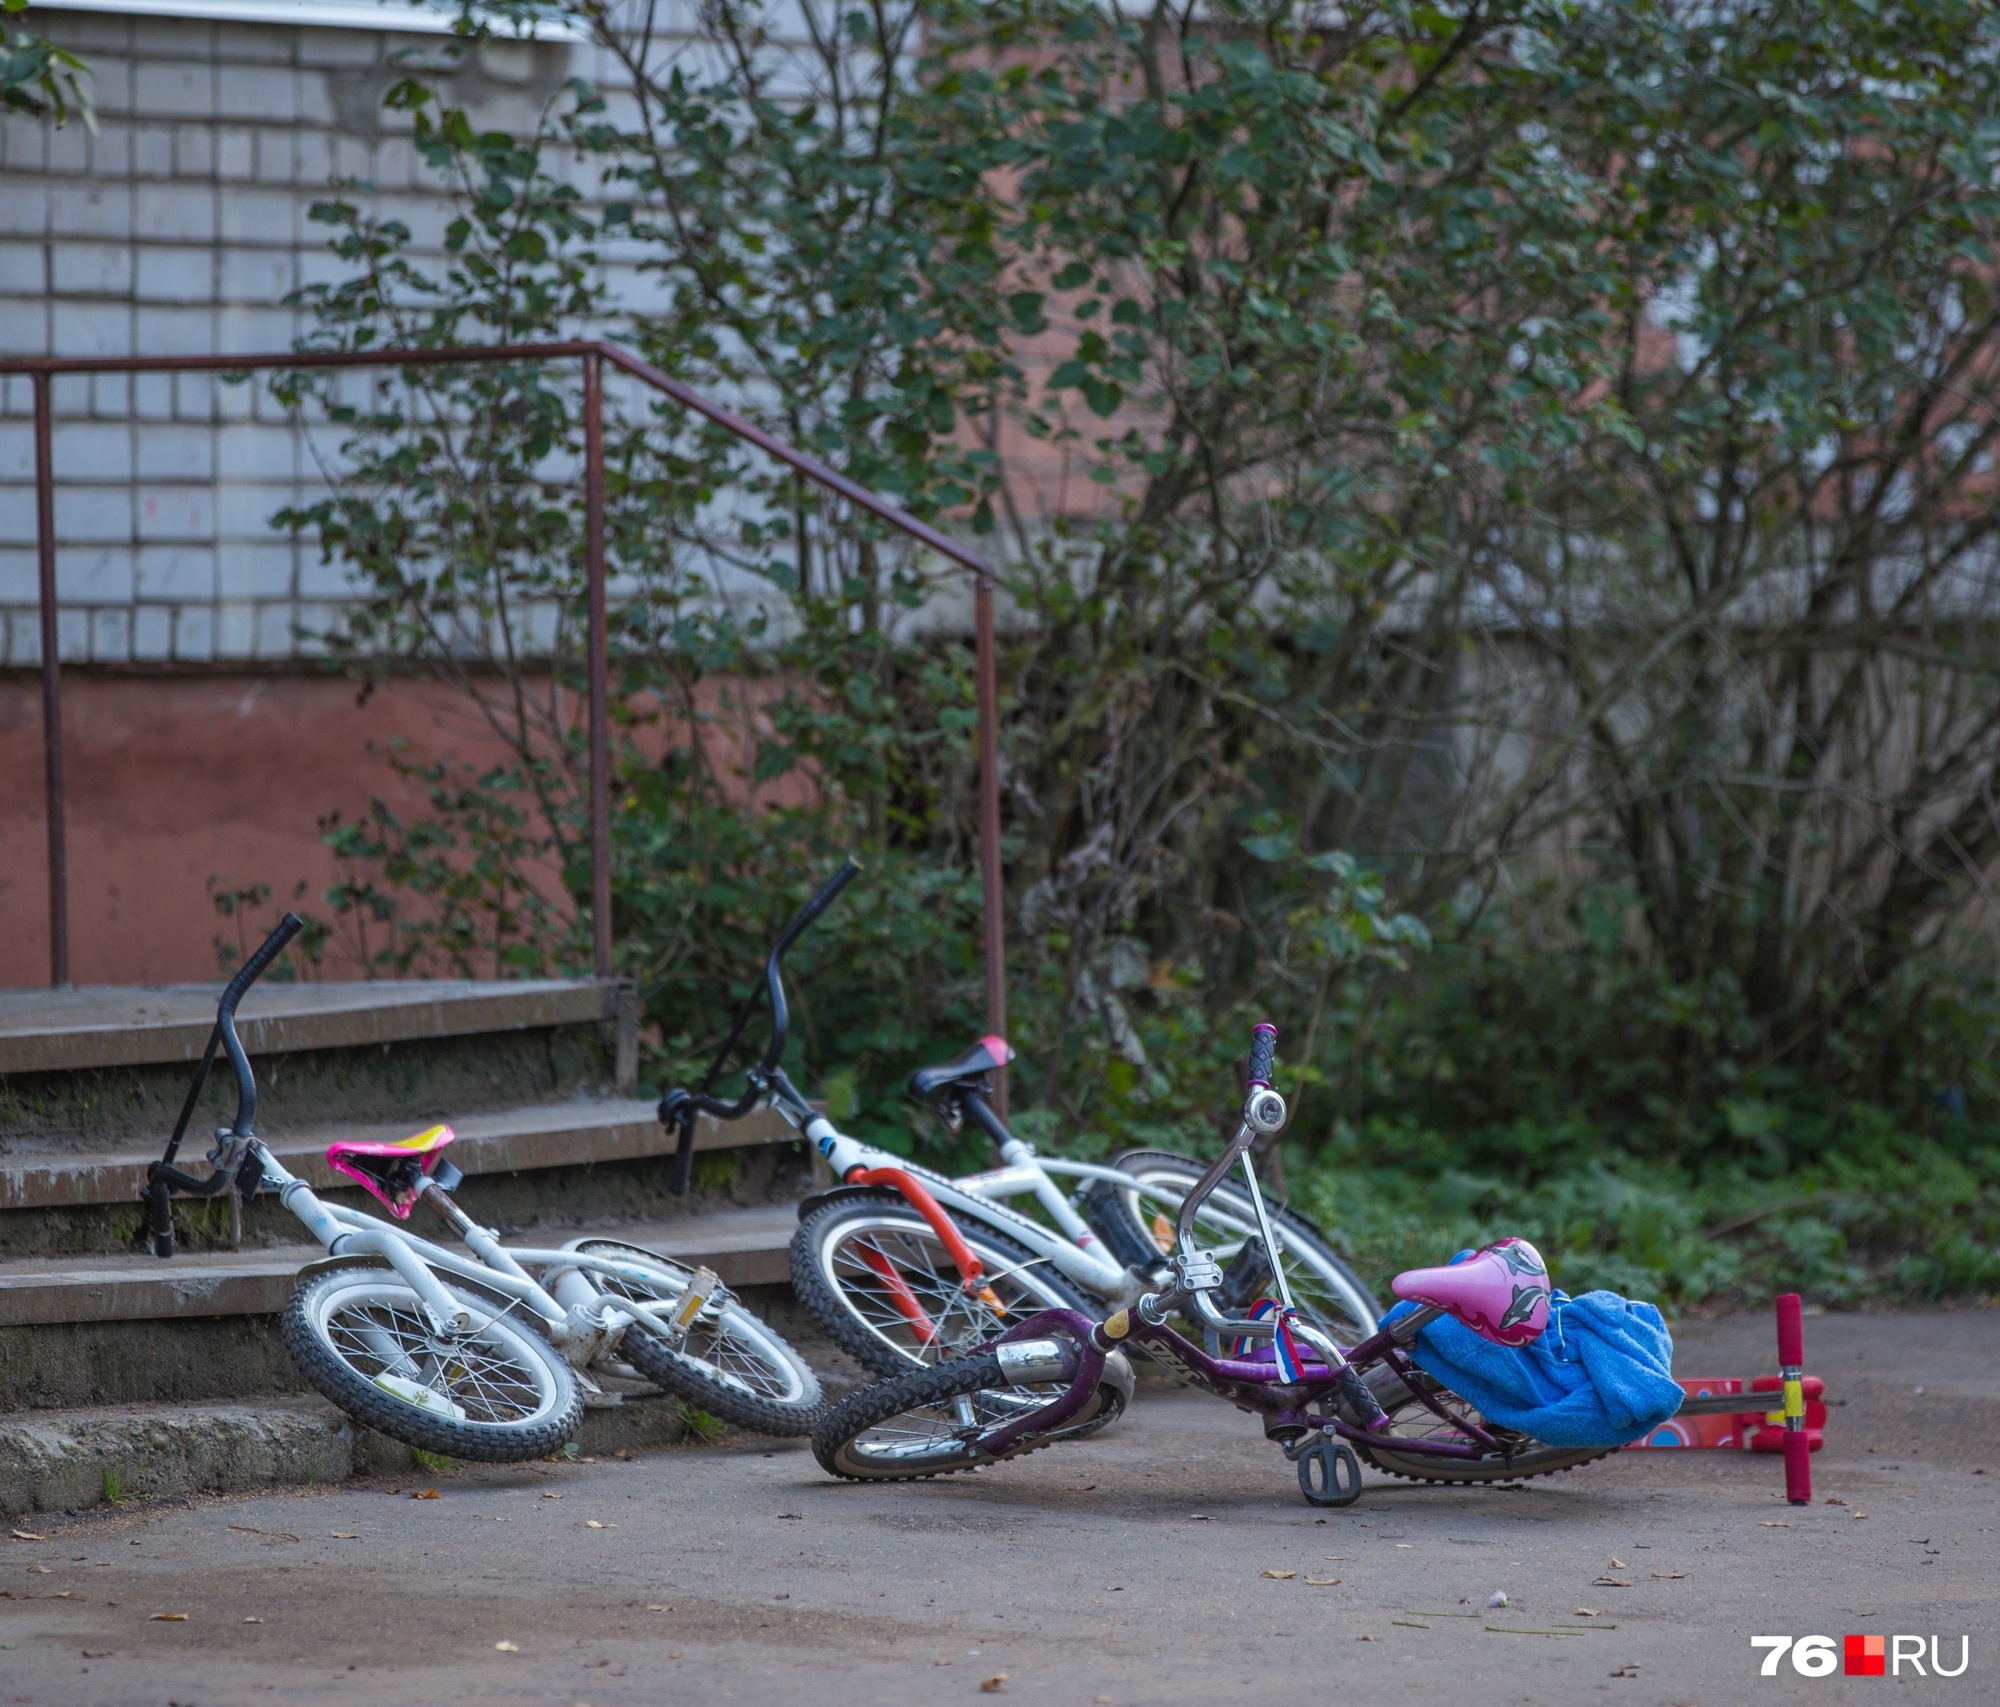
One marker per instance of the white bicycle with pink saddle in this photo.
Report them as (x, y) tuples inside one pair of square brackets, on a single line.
[(489, 1352)]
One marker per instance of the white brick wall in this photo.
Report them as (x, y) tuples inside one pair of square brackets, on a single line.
[(179, 228)]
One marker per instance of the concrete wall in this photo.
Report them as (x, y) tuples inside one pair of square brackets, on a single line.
[(175, 780)]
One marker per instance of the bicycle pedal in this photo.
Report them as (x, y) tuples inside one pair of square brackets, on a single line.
[(702, 1290)]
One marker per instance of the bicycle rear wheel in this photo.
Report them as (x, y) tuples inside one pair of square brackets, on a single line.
[(881, 1283), (497, 1395), (1524, 1458), (926, 1422), (1137, 1222), (730, 1363)]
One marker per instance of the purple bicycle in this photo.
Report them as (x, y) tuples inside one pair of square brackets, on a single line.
[(1059, 1374)]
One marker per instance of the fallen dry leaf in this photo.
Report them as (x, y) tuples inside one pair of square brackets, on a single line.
[(658, 1608), (1832, 1500), (676, 1654), (549, 1496), (1617, 1564), (253, 1621), (168, 1618), (62, 1594), (1609, 1582), (1668, 1576), (1368, 1638), (1587, 1612), (940, 1662), (30, 1535), (506, 1648), (592, 1523), (1858, 1516), (994, 1684), (1281, 1575), (1775, 1523), (97, 1653), (1404, 1545), (1626, 1671), (427, 1494), (1323, 1582), (343, 1535)]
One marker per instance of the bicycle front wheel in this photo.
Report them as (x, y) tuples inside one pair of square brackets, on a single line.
[(927, 1422), (497, 1395), (883, 1286), (1137, 1222), (729, 1363)]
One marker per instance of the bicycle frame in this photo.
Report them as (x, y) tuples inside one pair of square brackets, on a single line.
[(1287, 1408), (1065, 1345), (580, 1321), (1073, 1250)]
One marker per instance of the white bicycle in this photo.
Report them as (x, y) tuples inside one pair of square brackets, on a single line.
[(481, 1354), (902, 1265)]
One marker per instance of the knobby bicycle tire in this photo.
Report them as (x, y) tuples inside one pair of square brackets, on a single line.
[(835, 1434), (358, 1394), (1527, 1460), (703, 1380)]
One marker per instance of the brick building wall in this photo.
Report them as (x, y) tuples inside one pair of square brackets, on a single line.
[(180, 227)]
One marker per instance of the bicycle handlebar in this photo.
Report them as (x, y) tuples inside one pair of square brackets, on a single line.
[(244, 1170), (679, 1107), (225, 1019), (1263, 1058)]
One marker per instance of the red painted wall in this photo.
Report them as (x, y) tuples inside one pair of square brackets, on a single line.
[(174, 779)]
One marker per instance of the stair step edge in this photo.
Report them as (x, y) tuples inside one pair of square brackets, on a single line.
[(516, 1141), (745, 1247), (44, 1031)]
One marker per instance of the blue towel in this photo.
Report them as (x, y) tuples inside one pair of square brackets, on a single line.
[(1599, 1375)]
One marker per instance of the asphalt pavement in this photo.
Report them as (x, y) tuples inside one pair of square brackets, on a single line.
[(1168, 1561)]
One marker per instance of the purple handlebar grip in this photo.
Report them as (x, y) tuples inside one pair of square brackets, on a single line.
[(1263, 1052)]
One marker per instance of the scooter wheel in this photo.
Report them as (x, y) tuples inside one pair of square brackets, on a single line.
[(1329, 1473)]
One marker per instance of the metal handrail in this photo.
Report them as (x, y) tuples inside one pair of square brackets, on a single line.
[(593, 353)]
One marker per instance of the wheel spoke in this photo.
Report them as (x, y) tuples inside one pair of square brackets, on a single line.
[(377, 1329)]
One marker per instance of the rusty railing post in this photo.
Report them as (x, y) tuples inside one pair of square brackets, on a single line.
[(994, 895), (52, 757), (600, 686)]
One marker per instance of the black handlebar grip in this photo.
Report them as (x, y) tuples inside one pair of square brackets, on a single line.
[(1263, 1052), (160, 1203), (677, 1109), (850, 869), (253, 968)]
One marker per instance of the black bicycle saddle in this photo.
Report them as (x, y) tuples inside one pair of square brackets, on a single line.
[(934, 1085)]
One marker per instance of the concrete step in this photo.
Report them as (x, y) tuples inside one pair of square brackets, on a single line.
[(106, 1070), (69, 1461), (747, 1247), (581, 1131), (98, 1026)]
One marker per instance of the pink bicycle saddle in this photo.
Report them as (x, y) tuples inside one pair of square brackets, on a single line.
[(1501, 1292), (392, 1172)]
